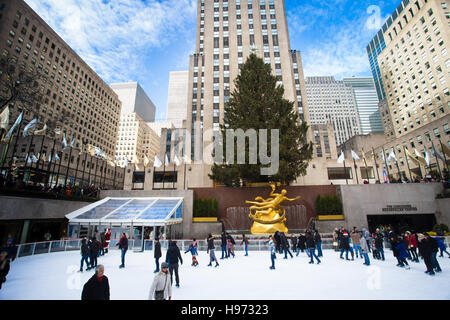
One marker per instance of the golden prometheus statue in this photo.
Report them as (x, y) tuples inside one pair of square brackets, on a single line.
[(268, 215)]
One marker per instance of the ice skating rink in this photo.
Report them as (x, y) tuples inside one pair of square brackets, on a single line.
[(55, 276)]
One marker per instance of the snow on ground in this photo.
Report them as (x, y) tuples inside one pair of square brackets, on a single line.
[(55, 276)]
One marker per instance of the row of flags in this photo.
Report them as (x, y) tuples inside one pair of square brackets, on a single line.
[(417, 158), (157, 162)]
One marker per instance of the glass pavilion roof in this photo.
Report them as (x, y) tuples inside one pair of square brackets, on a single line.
[(139, 211)]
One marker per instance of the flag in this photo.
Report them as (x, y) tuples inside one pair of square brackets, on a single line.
[(97, 151), (146, 161), (392, 157), (157, 163), (91, 150), (126, 162), (436, 154), (166, 160), (445, 149), (4, 118), (18, 120), (341, 157), (29, 126), (42, 131), (50, 157), (382, 156), (419, 157), (412, 157), (427, 158), (34, 159), (186, 159), (29, 161), (354, 155), (58, 131), (57, 158), (72, 143), (64, 143), (176, 160)]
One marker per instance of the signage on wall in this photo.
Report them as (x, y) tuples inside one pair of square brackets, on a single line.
[(400, 208)]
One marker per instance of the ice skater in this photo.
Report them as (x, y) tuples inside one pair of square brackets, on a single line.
[(173, 256), (192, 250), (4, 267), (229, 246), (285, 245), (364, 249), (311, 245), (84, 251), (157, 254), (442, 247), (210, 250), (245, 243), (318, 241), (272, 250), (97, 287), (123, 246), (161, 288), (400, 252)]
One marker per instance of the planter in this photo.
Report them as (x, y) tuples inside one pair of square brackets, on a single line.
[(324, 217), (204, 219), (261, 184)]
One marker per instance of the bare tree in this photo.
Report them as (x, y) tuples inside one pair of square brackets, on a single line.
[(19, 84)]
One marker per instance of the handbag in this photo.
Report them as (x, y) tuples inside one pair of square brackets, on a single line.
[(159, 294)]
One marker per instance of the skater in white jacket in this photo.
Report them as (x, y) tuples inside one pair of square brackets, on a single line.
[(161, 288)]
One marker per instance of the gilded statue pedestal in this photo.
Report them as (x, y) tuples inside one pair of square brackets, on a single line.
[(268, 215)]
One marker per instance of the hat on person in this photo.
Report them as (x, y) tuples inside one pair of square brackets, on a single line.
[(164, 265)]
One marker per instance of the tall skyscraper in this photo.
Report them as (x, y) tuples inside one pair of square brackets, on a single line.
[(178, 97), (227, 32), (366, 103), (134, 99), (332, 101), (377, 45), (415, 68), (75, 100)]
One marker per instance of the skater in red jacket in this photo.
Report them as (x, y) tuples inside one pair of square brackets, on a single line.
[(107, 240)]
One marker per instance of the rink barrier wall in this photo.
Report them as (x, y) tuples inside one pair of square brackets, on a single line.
[(34, 248)]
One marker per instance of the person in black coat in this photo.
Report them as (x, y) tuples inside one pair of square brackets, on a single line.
[(10, 248), (277, 240), (426, 250), (158, 254), (94, 247), (301, 245), (434, 250), (223, 244), (285, 245), (344, 243), (173, 255), (294, 243), (97, 287), (85, 252), (311, 245), (4, 267)]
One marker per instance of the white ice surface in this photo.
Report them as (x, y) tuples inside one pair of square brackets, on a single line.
[(55, 276)]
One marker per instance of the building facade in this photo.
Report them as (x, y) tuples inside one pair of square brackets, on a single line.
[(177, 99), (415, 69), (134, 99), (366, 103), (76, 102), (332, 101)]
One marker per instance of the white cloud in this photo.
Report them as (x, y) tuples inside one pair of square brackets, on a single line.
[(115, 37)]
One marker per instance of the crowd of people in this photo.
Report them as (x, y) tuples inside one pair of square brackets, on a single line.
[(89, 191), (406, 246)]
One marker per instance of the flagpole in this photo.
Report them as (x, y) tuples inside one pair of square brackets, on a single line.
[(84, 166), (40, 155), (437, 160), (173, 178), (15, 145), (26, 158), (184, 183), (101, 172), (443, 152), (76, 169), (104, 169), (51, 160), (376, 165), (345, 172), (90, 167), (95, 172), (59, 167), (164, 170), (5, 154), (407, 163), (365, 164), (68, 165), (114, 181), (356, 171), (387, 168), (398, 168)]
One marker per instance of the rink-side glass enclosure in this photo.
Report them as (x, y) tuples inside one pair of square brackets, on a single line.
[(139, 218)]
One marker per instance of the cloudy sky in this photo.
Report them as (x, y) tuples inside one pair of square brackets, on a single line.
[(143, 40)]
